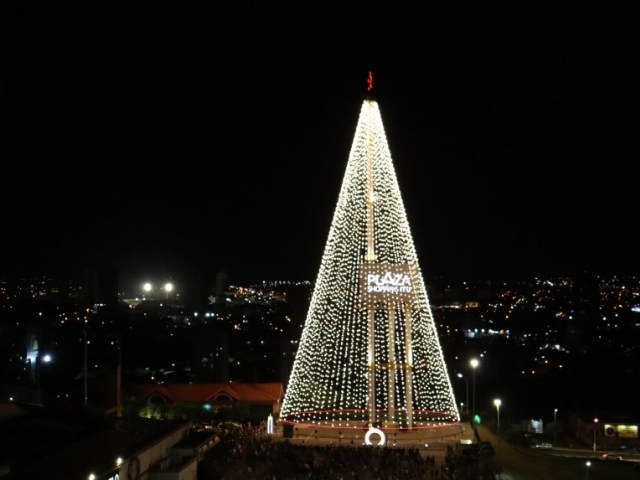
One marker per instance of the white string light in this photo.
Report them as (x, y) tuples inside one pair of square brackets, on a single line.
[(331, 378)]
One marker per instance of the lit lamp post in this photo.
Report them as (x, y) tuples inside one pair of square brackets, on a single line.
[(474, 364), (168, 288), (85, 369), (595, 424), (147, 287), (555, 426), (497, 403), (45, 359), (467, 382), (588, 464)]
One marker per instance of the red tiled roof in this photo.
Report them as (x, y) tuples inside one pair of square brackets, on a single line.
[(207, 392)]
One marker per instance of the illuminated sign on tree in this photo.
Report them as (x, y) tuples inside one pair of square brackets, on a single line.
[(381, 282)]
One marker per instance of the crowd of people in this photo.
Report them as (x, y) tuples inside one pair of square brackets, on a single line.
[(245, 452)]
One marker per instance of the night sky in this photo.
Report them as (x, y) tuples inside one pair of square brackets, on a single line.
[(175, 140)]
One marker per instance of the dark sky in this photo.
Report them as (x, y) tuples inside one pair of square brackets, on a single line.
[(169, 139)]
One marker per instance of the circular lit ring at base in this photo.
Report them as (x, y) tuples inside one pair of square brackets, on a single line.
[(367, 437)]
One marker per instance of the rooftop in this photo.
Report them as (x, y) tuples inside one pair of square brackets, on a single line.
[(37, 441)]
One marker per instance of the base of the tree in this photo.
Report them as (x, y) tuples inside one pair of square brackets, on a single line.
[(359, 435), (361, 418)]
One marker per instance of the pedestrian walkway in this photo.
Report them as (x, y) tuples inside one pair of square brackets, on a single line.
[(446, 434)]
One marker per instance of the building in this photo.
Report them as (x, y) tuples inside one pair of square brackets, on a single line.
[(101, 286), (609, 431), (260, 399), (41, 443)]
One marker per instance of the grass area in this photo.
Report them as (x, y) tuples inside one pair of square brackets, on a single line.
[(530, 464)]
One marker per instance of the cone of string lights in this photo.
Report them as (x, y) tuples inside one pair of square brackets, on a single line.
[(369, 351)]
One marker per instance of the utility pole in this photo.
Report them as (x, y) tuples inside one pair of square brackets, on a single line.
[(119, 382), (85, 368)]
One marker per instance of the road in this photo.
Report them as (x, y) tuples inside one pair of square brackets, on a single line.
[(527, 464)]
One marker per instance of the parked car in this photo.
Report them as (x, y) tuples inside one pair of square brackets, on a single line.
[(544, 446), (611, 456)]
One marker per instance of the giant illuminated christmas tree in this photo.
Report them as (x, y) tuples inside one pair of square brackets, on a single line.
[(369, 350)]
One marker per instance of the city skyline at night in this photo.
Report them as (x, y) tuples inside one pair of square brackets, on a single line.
[(169, 221)]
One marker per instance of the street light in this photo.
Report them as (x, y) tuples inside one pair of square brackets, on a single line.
[(474, 363), (555, 426), (85, 368), (467, 382), (497, 403), (45, 359), (588, 464), (595, 423), (168, 288)]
